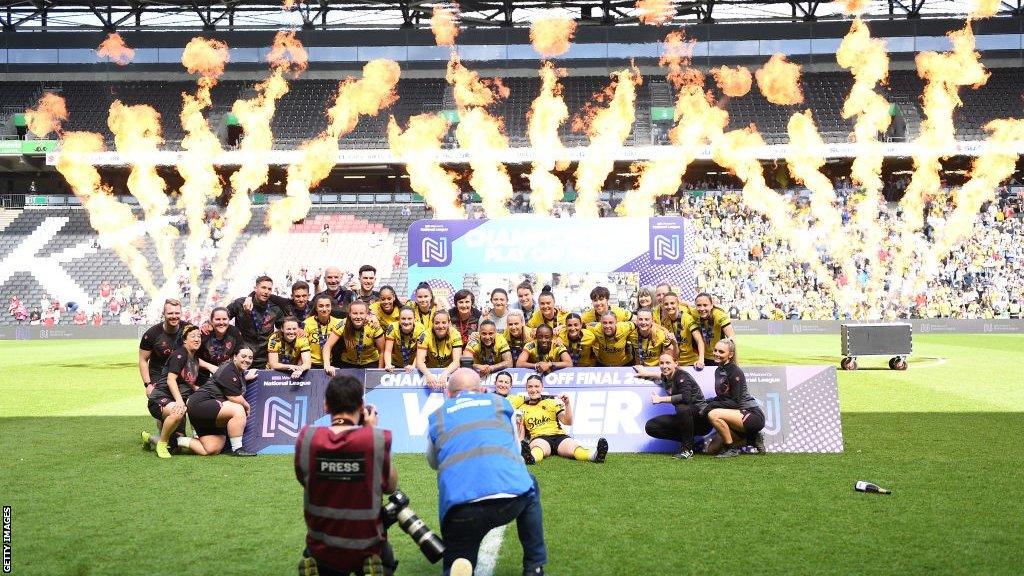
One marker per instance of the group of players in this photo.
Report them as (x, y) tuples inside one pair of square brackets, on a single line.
[(200, 371)]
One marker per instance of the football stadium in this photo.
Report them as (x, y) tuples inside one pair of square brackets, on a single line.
[(595, 287)]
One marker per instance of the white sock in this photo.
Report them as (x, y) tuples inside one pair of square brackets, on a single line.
[(236, 443), (184, 441)]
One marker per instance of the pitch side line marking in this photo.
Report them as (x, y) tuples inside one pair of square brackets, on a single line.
[(490, 547)]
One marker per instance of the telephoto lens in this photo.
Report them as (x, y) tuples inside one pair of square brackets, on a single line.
[(397, 510)]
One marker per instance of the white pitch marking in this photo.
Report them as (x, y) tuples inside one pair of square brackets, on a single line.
[(490, 547)]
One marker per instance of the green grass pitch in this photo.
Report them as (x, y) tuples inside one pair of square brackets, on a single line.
[(945, 436)]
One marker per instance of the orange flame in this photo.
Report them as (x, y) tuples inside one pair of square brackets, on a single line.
[(733, 82), (200, 181), (288, 53), (854, 7), (110, 218), (469, 89), (676, 55), (115, 49), (779, 81), (551, 36), (608, 128), (547, 113), (805, 158), (444, 23), (364, 97), (698, 122), (984, 8), (418, 146), (47, 116), (655, 12), (136, 132), (288, 5)]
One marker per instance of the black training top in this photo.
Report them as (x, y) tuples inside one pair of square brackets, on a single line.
[(184, 367), (161, 345), (216, 349), (684, 390), (339, 301), (730, 382), (258, 324), (228, 380)]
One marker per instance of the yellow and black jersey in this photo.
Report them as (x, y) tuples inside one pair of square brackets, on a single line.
[(440, 351), (425, 319), (403, 349), (581, 351), (362, 349), (317, 334), (383, 318), (515, 344), (288, 352), (713, 330), (538, 319), (516, 400), (589, 315), (615, 350), (647, 349), (682, 327), (554, 353), (540, 417), (487, 354)]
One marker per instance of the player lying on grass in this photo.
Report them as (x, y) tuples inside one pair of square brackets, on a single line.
[(543, 417)]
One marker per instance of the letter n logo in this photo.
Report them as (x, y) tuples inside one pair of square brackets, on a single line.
[(666, 248), (772, 414), (280, 415), (434, 252)]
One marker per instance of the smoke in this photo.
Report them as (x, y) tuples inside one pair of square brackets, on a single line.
[(417, 147), (445, 25), (47, 116), (137, 136), (317, 157), (552, 36), (200, 181), (110, 218), (116, 50), (482, 135), (547, 113), (608, 129), (779, 81), (733, 82)]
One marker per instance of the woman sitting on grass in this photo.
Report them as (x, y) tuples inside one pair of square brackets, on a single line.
[(543, 417)]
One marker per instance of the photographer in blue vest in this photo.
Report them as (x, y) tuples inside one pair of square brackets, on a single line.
[(481, 478)]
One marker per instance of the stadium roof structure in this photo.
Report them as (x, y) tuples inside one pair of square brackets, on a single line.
[(155, 15)]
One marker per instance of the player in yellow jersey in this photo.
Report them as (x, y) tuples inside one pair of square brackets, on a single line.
[(613, 341), (288, 348), (578, 341), (318, 329), (362, 343), (401, 341), (384, 311), (543, 354), (423, 305), (689, 341), (547, 312), (599, 299), (441, 348), (516, 333), (543, 417), (650, 340), (713, 323), (488, 349)]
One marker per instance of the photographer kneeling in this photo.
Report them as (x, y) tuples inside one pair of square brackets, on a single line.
[(346, 469)]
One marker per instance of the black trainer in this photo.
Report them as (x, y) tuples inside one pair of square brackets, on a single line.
[(729, 452), (602, 451), (684, 455), (243, 453), (524, 448), (759, 443)]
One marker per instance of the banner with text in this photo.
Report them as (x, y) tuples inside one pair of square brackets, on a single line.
[(801, 406)]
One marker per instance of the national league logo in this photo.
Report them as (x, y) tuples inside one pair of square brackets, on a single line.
[(282, 415)]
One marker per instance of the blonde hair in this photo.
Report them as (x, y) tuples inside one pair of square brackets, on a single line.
[(731, 344)]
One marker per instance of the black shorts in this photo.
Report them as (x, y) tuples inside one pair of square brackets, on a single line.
[(753, 420), (202, 413), (553, 441), (159, 401)]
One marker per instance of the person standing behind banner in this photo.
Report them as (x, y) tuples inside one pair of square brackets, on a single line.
[(423, 305), (482, 482), (547, 313), (319, 328), (499, 308), (299, 305), (488, 349), (288, 349), (516, 333), (367, 281), (258, 324), (385, 310), (465, 315), (578, 341), (345, 470), (219, 410), (543, 354), (599, 299), (524, 299), (713, 323), (340, 296), (401, 341), (441, 348), (650, 340), (686, 398), (613, 341), (676, 319), (362, 343), (218, 345)]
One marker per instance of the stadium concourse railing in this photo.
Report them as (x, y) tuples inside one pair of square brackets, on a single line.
[(742, 327)]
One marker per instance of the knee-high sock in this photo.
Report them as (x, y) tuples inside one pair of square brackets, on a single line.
[(583, 454), (538, 454)]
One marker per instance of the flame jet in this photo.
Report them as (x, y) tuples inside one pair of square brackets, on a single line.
[(418, 146)]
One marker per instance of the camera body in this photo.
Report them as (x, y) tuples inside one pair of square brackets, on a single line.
[(397, 510)]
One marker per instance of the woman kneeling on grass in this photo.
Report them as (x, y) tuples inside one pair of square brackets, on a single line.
[(218, 409), (172, 390), (733, 409), (543, 417)]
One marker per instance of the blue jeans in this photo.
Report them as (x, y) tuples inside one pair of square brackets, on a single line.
[(465, 526)]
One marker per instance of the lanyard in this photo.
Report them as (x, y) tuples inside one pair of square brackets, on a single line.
[(406, 351), (641, 349), (359, 344), (217, 347), (258, 318), (322, 335), (575, 349)]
